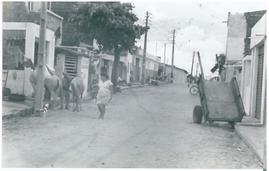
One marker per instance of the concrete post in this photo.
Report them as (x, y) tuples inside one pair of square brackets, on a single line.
[(41, 59)]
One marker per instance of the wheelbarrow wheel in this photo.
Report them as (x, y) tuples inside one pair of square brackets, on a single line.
[(211, 122), (232, 124), (197, 114), (194, 90)]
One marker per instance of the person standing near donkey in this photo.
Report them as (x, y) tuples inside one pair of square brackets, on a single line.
[(104, 94)]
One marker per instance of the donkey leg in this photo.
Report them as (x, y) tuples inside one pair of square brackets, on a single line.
[(74, 104), (54, 98), (77, 104), (61, 95), (80, 104)]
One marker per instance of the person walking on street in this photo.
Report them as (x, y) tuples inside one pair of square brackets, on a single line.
[(104, 94), (66, 86)]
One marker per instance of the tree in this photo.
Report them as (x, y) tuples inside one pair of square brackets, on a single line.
[(113, 25)]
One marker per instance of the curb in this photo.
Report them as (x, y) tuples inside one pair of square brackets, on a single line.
[(249, 144), (24, 112)]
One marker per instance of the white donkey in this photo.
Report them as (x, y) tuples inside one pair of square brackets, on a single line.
[(78, 88), (52, 83)]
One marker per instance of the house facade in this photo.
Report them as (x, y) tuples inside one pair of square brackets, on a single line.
[(76, 61), (75, 55), (151, 66), (253, 83), (178, 73), (246, 60), (124, 68), (20, 42), (238, 43)]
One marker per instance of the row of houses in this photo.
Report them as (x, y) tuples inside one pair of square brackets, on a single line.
[(67, 50), (247, 61)]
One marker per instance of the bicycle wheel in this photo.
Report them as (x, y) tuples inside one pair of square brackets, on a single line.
[(194, 90)]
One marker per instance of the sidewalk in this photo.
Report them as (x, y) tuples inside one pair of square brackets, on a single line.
[(254, 137), (10, 109)]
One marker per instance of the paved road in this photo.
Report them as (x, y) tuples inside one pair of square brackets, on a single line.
[(147, 127)]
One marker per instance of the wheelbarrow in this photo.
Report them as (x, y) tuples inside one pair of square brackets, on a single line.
[(220, 101)]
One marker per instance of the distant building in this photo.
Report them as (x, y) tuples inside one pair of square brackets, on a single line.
[(124, 70), (151, 65), (178, 73)]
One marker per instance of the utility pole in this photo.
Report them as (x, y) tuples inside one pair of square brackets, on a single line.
[(193, 55), (41, 58), (164, 55), (156, 47), (172, 69), (200, 64), (145, 50)]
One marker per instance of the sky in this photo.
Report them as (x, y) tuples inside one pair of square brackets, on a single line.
[(200, 26)]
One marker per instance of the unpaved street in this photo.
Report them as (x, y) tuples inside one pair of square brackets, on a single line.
[(146, 127)]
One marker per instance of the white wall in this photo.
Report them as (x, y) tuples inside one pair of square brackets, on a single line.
[(246, 84), (236, 35)]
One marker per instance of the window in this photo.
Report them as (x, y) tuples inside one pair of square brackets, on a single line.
[(13, 54)]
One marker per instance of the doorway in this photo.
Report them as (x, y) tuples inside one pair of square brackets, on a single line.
[(259, 82)]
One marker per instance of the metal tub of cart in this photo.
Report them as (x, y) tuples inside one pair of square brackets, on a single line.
[(220, 101)]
